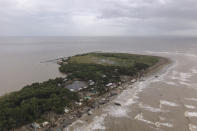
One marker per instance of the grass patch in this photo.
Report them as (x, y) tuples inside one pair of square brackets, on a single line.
[(94, 66), (115, 59)]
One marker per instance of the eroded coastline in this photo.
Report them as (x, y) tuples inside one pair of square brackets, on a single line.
[(61, 121), (96, 120)]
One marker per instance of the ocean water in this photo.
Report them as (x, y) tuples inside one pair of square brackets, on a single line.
[(166, 103)]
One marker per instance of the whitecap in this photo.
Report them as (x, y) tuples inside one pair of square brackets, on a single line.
[(170, 83), (74, 123), (96, 124), (151, 109), (190, 114), (168, 103), (181, 77), (190, 106), (116, 111), (185, 83), (130, 101), (141, 118), (162, 118), (191, 55), (185, 76), (192, 127), (158, 124), (191, 99), (194, 70)]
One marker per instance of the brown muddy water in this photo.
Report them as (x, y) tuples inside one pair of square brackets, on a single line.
[(164, 103)]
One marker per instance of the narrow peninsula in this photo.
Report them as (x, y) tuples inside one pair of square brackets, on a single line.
[(90, 81)]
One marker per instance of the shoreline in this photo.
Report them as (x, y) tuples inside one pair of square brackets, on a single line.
[(88, 112), (110, 99), (163, 62)]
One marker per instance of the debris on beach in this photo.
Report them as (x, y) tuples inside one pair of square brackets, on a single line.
[(133, 80), (109, 84), (44, 124), (90, 112), (118, 104), (35, 125), (66, 110), (91, 82)]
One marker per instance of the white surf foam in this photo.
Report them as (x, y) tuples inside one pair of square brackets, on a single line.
[(191, 99), (192, 127), (194, 70), (162, 118), (182, 76), (190, 106), (190, 114), (140, 117), (158, 124), (151, 109), (185, 76), (172, 53), (130, 101), (170, 83), (164, 77), (74, 123), (96, 124), (125, 100), (116, 111), (190, 55), (161, 52), (174, 75), (185, 83), (122, 111), (168, 103)]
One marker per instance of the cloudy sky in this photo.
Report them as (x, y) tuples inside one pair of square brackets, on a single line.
[(98, 17)]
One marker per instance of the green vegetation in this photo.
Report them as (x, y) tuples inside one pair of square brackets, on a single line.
[(115, 59), (30, 103), (94, 66)]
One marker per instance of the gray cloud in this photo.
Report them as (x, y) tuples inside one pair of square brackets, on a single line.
[(98, 17)]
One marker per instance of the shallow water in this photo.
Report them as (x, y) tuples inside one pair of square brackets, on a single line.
[(167, 103)]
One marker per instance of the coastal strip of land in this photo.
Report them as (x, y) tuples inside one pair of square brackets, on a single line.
[(92, 80)]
